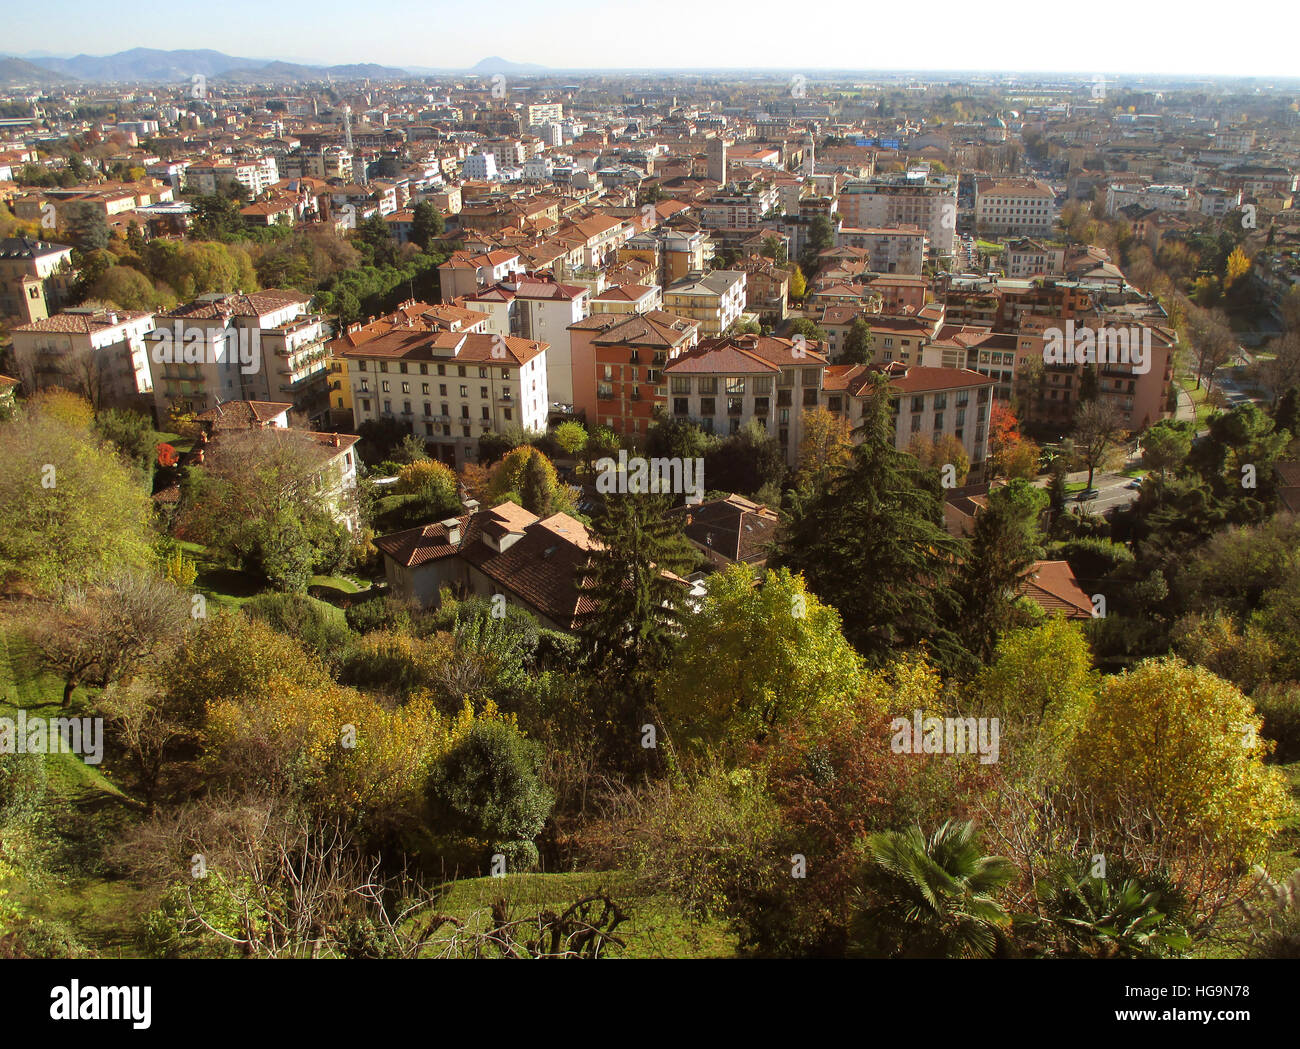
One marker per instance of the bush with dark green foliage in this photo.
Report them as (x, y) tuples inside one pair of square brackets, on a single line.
[(387, 612), (312, 623), (488, 789)]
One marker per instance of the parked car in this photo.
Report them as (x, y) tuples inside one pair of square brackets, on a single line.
[(1087, 495)]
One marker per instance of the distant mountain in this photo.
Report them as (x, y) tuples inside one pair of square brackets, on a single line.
[(149, 64), (21, 71), (499, 65)]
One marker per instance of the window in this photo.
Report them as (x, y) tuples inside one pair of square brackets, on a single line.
[(918, 403), (681, 384), (681, 406), (605, 391), (736, 387), (442, 389), (482, 373), (810, 397), (384, 385), (402, 367), (708, 384), (938, 422), (506, 413), (464, 411), (762, 384), (428, 408), (940, 401), (486, 415), (406, 387), (424, 388), (811, 376), (706, 406), (460, 371), (916, 424), (464, 391)]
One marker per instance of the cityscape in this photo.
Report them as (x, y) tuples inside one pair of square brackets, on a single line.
[(541, 509)]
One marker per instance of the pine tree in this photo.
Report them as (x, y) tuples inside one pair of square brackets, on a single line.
[(629, 630), (871, 543), (1005, 544)]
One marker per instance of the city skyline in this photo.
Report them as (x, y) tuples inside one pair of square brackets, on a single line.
[(1017, 37)]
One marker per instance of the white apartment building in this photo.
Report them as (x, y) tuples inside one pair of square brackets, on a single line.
[(544, 113), (263, 346), (480, 167), (1015, 207), (449, 387), (1177, 200), (540, 311), (100, 352), (256, 176)]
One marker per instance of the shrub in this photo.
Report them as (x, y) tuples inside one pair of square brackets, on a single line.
[(488, 788), (311, 623)]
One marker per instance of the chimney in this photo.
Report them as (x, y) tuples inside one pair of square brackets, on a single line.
[(452, 524)]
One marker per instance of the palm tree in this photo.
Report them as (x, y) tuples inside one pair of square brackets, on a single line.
[(930, 897)]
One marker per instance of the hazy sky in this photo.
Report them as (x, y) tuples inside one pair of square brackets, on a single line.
[(1254, 37)]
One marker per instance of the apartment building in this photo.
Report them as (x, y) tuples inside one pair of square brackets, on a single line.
[(916, 198), (540, 310), (927, 403), (724, 383), (543, 113), (449, 387), (893, 249), (408, 314), (255, 176), (262, 346), (35, 278), (739, 206), (98, 352), (1026, 257), (1014, 207), (715, 299), (465, 272), (618, 363)]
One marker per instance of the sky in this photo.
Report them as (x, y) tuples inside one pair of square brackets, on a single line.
[(1248, 38)]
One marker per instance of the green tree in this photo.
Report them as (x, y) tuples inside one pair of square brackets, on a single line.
[(426, 224), (635, 598), (71, 510), (857, 343), (871, 544), (1006, 542), (754, 657)]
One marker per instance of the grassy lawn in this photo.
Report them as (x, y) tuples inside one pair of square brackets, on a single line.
[(1071, 487), (655, 927), (83, 810)]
